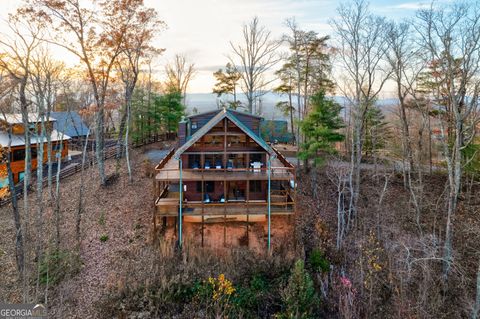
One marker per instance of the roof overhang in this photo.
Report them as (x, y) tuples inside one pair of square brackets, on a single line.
[(214, 121)]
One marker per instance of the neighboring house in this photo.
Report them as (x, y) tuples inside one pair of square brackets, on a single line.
[(17, 143), (223, 171), (70, 123), (276, 131)]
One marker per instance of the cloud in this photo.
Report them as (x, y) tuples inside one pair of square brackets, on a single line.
[(410, 6)]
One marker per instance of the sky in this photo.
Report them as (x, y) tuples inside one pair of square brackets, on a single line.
[(203, 29)]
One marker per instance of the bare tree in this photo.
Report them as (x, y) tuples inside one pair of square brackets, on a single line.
[(17, 62), (407, 64), (95, 36), (451, 36), (136, 47), (179, 73), (362, 47), (44, 83), (253, 59), (7, 87), (294, 41)]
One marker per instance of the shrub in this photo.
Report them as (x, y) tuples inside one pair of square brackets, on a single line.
[(216, 296), (103, 238), (299, 296), (318, 262), (56, 265)]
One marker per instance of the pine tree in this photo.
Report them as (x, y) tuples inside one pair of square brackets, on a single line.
[(171, 109), (227, 84), (320, 128), (299, 295), (376, 131)]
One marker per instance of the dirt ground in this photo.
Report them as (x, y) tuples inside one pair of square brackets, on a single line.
[(234, 234), (121, 213)]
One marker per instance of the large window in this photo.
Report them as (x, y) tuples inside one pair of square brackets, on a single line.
[(194, 161), (255, 186), (209, 187), (237, 140), (18, 155), (215, 141), (213, 161), (256, 157), (237, 160)]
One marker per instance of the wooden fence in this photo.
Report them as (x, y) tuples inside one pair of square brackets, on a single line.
[(67, 171)]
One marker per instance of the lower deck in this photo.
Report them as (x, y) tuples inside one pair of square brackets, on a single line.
[(214, 199)]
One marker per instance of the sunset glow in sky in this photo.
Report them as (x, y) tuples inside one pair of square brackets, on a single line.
[(202, 29)]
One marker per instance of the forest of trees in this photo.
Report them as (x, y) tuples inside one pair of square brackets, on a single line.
[(388, 223)]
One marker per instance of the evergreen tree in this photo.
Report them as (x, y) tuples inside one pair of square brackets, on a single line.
[(146, 119), (320, 128), (227, 84), (376, 131), (299, 295), (171, 109), (287, 77)]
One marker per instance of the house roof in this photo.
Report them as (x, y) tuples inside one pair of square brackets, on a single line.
[(18, 140), (225, 113), (69, 123), (229, 110), (16, 118)]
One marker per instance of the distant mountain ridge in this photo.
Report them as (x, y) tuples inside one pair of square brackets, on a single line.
[(203, 102)]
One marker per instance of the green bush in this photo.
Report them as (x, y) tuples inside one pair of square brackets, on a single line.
[(318, 262), (103, 238), (299, 296)]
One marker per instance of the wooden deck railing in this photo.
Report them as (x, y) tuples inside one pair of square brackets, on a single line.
[(165, 160), (189, 174), (170, 208), (282, 158)]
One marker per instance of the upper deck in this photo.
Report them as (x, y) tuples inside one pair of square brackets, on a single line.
[(171, 172)]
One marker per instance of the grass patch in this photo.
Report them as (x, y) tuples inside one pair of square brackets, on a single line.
[(103, 238), (55, 266), (101, 220)]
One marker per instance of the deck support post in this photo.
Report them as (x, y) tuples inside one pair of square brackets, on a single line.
[(180, 210), (225, 190), (269, 166), (203, 227), (248, 200), (203, 205)]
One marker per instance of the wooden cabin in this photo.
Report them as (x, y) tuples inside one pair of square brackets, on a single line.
[(17, 143), (222, 171)]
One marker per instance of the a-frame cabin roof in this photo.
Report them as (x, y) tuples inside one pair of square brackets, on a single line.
[(214, 121), (229, 110)]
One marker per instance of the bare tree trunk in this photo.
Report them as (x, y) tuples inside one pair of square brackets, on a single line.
[(39, 202), (19, 240), (127, 153), (57, 196), (27, 173), (80, 192)]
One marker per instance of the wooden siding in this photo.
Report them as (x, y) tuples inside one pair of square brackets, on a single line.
[(19, 166), (251, 121)]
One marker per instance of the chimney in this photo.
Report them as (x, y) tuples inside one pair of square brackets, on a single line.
[(182, 131)]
